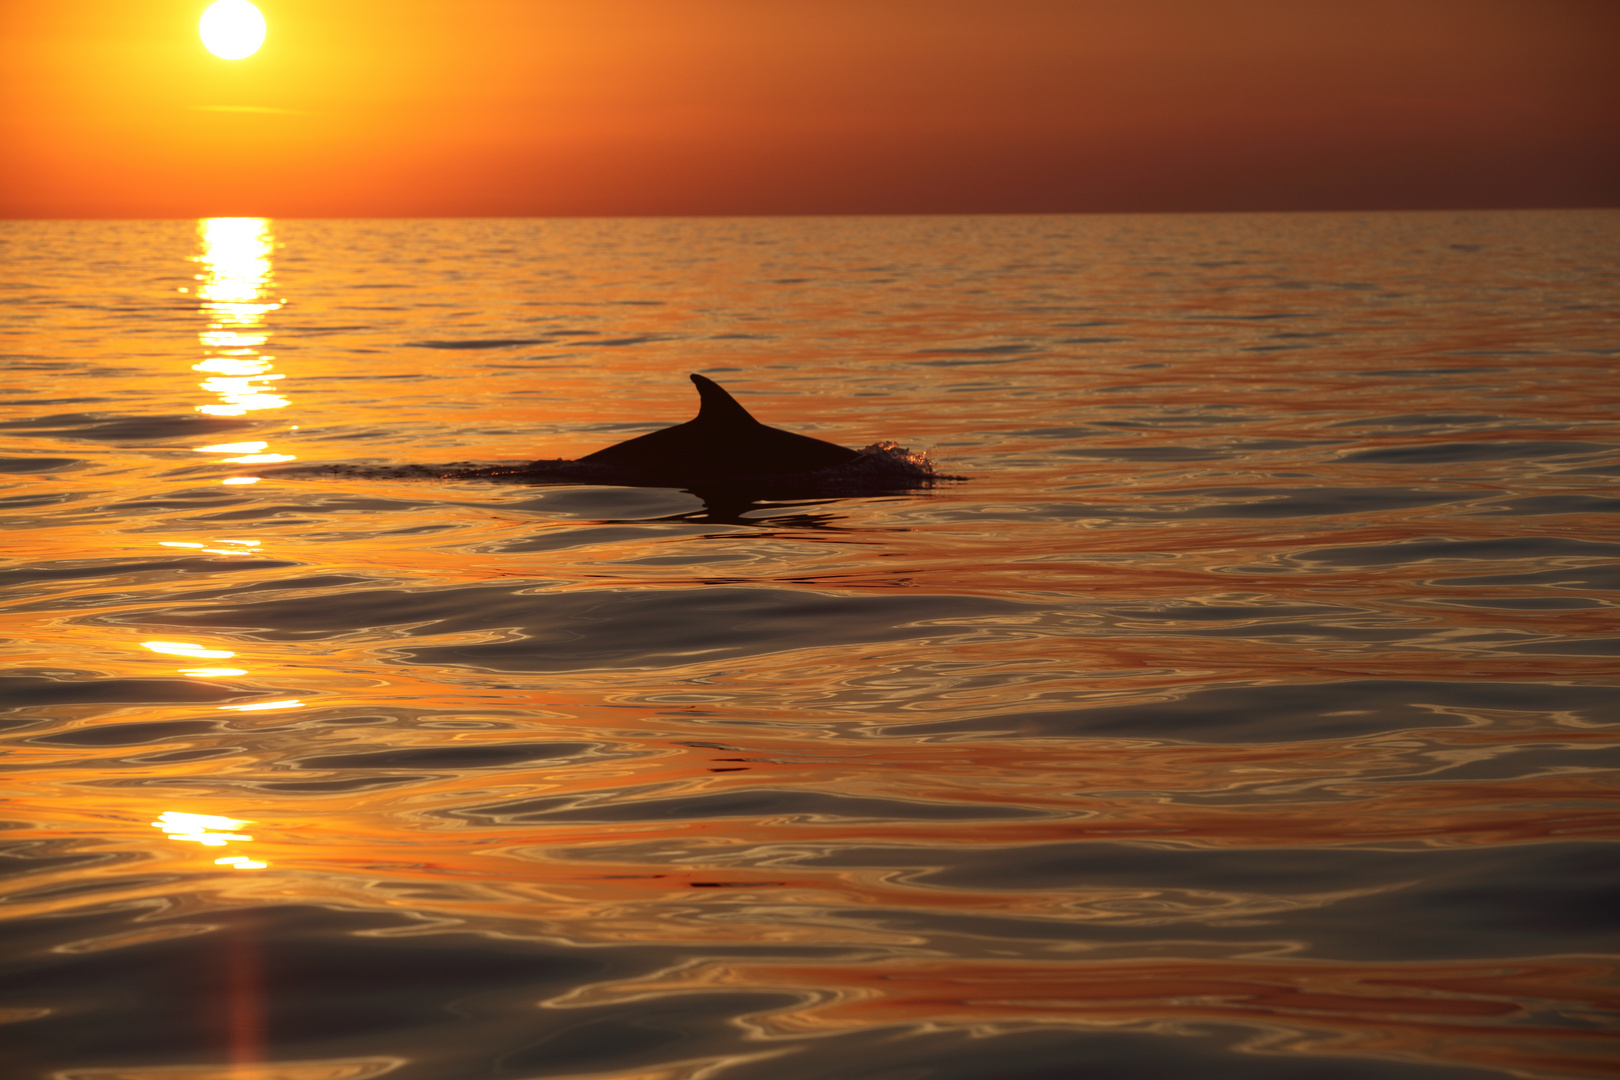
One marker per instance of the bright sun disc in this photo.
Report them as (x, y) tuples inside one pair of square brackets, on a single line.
[(232, 29)]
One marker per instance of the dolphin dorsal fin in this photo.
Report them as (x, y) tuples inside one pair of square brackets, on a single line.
[(717, 405)]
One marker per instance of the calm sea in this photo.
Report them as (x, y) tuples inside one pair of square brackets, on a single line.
[(1248, 712)]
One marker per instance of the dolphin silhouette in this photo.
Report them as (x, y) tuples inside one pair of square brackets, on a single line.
[(731, 461), (722, 443)]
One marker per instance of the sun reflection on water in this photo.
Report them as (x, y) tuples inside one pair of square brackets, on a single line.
[(246, 548), (183, 648), (260, 706), (236, 260), (236, 276), (232, 448), (209, 830), (196, 652)]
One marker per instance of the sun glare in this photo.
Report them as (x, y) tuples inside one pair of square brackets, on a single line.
[(232, 29)]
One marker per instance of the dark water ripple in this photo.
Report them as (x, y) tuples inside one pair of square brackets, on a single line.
[(1248, 711)]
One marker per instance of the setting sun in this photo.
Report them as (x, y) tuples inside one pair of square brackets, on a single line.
[(232, 29)]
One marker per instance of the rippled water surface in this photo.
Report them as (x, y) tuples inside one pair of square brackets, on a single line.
[(1247, 712)]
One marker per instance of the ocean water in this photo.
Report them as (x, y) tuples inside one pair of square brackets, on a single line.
[(1247, 711)]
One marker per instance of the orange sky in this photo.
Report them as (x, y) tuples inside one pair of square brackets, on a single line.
[(111, 108)]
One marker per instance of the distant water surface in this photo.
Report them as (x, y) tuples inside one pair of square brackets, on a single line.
[(1249, 712)]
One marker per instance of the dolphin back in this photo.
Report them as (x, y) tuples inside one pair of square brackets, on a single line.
[(722, 443)]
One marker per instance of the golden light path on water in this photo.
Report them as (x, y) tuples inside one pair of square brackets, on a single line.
[(235, 276), (235, 279)]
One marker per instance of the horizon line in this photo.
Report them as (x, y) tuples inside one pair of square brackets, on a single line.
[(816, 214)]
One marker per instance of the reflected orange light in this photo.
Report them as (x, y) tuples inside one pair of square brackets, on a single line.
[(213, 672), (225, 365), (236, 271), (209, 830), (236, 263), (237, 386), (232, 448), (245, 404), (241, 395), (224, 339), (259, 706), (182, 648), (196, 827), (258, 459)]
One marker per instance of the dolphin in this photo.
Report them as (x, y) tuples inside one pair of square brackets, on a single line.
[(722, 443), (731, 461)]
